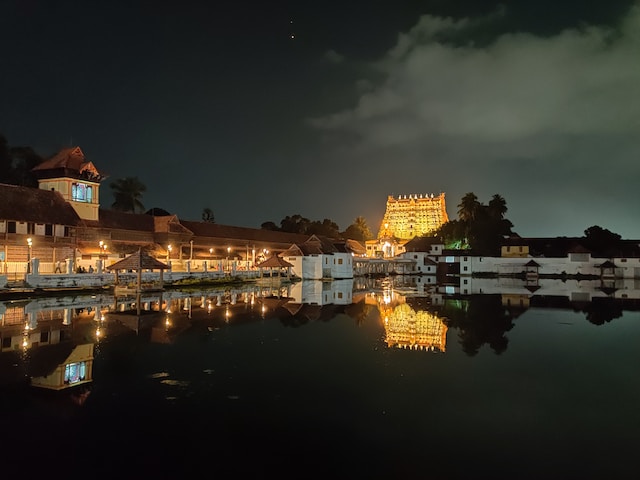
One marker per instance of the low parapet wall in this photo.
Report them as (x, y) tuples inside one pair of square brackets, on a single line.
[(107, 280)]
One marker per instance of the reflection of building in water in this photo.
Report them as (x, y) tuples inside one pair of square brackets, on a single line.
[(61, 366), (45, 346), (406, 328), (336, 292)]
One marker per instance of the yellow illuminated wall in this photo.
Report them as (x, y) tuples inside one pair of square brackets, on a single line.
[(411, 216), (406, 328)]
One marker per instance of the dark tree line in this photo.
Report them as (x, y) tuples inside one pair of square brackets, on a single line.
[(478, 227), (16, 164), (482, 228), (358, 230)]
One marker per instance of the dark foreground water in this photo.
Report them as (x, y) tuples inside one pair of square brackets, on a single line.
[(387, 386)]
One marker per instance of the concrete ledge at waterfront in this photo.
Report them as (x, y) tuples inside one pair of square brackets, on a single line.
[(101, 281)]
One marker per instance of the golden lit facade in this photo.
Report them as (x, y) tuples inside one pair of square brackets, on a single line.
[(421, 330), (409, 216)]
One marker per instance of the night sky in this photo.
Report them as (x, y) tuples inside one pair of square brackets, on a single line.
[(259, 110)]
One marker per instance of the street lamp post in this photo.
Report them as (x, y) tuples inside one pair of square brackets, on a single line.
[(103, 250), (29, 244), (168, 253), (228, 253)]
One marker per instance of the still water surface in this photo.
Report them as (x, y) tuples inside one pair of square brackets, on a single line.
[(393, 383)]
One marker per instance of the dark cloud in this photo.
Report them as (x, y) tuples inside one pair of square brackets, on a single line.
[(548, 122)]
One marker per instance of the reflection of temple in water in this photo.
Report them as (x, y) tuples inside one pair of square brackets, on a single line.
[(421, 330)]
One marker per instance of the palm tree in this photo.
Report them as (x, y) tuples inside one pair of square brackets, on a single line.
[(497, 206), (127, 193), (361, 224), (468, 207)]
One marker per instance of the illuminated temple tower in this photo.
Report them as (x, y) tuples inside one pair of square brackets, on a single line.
[(411, 216)]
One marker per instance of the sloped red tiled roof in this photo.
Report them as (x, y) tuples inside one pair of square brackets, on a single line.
[(351, 246), (27, 204), (302, 249), (215, 230), (274, 262), (71, 158), (577, 248), (323, 243), (137, 261), (44, 360), (169, 224), (122, 221), (421, 244)]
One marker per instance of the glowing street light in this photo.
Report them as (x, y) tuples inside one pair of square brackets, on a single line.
[(103, 249), (168, 252), (29, 245), (228, 253)]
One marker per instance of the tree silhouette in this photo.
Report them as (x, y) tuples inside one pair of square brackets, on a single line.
[(127, 193), (16, 164), (6, 164), (497, 207), (468, 207), (599, 240), (483, 320), (207, 215), (327, 227), (358, 230), (294, 224), (479, 227), (270, 226)]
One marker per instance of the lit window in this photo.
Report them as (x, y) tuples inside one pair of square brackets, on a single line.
[(81, 192), (75, 372)]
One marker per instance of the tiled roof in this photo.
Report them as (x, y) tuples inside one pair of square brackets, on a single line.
[(122, 221), (351, 246), (303, 249), (215, 230), (72, 158), (137, 261), (169, 224), (318, 245), (44, 360), (324, 244), (293, 251), (274, 262), (421, 244), (27, 204)]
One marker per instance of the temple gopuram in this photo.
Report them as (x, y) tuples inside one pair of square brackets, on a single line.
[(406, 217), (411, 216)]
